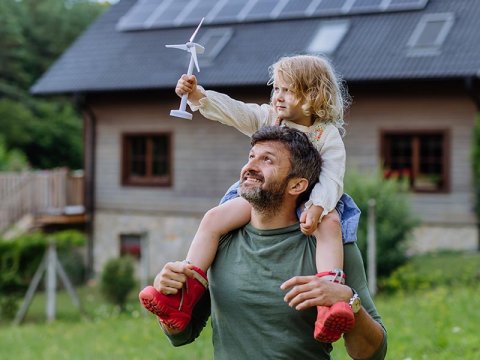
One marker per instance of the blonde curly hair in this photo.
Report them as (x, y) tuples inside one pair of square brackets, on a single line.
[(315, 83)]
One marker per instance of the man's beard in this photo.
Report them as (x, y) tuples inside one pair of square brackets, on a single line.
[(265, 201)]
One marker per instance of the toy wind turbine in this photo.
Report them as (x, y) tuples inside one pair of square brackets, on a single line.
[(193, 49)]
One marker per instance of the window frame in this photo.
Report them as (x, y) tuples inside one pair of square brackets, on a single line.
[(416, 134), (149, 180)]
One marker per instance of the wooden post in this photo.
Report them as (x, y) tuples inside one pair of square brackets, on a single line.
[(51, 265), (372, 248)]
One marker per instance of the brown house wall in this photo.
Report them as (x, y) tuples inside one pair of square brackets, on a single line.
[(372, 114)]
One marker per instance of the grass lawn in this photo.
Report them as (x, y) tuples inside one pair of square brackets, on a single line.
[(440, 323)]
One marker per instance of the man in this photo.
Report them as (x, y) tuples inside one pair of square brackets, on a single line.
[(262, 294)]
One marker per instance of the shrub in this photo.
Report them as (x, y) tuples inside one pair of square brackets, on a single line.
[(394, 220), (118, 280), (21, 256), (8, 306), (434, 270)]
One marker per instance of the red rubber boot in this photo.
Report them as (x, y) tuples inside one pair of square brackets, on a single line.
[(335, 320), (175, 310)]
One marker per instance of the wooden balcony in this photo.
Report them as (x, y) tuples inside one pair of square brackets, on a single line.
[(47, 197)]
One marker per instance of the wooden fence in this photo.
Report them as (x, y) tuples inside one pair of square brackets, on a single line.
[(35, 192)]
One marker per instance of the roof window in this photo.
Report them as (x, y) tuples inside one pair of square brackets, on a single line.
[(214, 40), (430, 33), (328, 37)]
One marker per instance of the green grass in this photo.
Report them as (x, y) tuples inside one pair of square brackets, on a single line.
[(439, 323)]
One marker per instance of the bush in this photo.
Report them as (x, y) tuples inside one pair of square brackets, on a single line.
[(394, 220), (118, 280), (8, 307), (20, 257), (432, 270)]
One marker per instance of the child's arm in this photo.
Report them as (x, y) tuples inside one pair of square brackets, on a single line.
[(245, 117), (329, 189)]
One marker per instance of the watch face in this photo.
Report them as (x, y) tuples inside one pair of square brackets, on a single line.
[(355, 303)]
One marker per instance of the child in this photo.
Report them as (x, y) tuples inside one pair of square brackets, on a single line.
[(307, 96)]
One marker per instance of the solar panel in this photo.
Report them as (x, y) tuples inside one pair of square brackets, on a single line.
[(137, 15), (329, 7), (294, 8), (367, 6), (407, 4), (229, 12), (262, 9), (150, 14)]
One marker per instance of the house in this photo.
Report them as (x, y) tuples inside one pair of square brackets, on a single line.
[(412, 67)]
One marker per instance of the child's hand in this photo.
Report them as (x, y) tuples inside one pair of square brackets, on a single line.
[(187, 84), (309, 219)]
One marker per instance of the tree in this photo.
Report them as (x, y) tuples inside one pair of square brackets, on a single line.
[(33, 33)]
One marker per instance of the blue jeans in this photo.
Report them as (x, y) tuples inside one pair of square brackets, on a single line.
[(347, 210)]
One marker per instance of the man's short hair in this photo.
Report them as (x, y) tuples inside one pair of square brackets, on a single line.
[(305, 161)]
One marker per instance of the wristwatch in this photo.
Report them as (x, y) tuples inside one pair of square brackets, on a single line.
[(355, 302)]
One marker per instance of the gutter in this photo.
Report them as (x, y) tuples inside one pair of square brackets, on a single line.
[(89, 142)]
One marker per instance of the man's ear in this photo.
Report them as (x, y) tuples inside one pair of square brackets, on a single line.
[(296, 186)]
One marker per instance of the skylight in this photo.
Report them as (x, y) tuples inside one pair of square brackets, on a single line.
[(430, 33), (214, 40), (328, 37)]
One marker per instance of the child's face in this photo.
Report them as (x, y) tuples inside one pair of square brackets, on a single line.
[(286, 103)]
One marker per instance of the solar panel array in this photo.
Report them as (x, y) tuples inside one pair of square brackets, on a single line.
[(155, 14)]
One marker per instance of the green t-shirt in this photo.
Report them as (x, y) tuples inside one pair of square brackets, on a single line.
[(250, 320)]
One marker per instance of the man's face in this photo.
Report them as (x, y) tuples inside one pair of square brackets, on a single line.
[(263, 179)]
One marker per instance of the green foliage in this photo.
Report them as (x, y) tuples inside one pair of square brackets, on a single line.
[(8, 306), (11, 160), (394, 220), (118, 280), (34, 33), (476, 164), (434, 270), (20, 257)]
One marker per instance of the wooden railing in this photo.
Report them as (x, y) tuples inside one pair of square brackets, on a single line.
[(34, 192)]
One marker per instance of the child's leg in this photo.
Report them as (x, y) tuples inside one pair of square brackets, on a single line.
[(176, 310), (329, 253), (217, 222), (332, 321)]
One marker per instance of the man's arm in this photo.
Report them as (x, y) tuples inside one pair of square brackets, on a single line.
[(367, 340)]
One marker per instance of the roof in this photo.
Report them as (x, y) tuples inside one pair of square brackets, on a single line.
[(375, 48)]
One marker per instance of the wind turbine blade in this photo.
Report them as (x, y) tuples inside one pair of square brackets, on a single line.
[(196, 31), (179, 46), (193, 51), (200, 49)]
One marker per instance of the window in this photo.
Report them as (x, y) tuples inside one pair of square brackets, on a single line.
[(147, 159), (430, 33), (328, 37), (420, 158), (214, 40), (131, 244)]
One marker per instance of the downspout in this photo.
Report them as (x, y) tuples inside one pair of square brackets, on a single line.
[(89, 144), (473, 90)]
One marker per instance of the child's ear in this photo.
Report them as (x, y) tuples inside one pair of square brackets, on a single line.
[(297, 186)]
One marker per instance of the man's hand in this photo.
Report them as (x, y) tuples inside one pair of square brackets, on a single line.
[(172, 277), (309, 219), (308, 291)]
